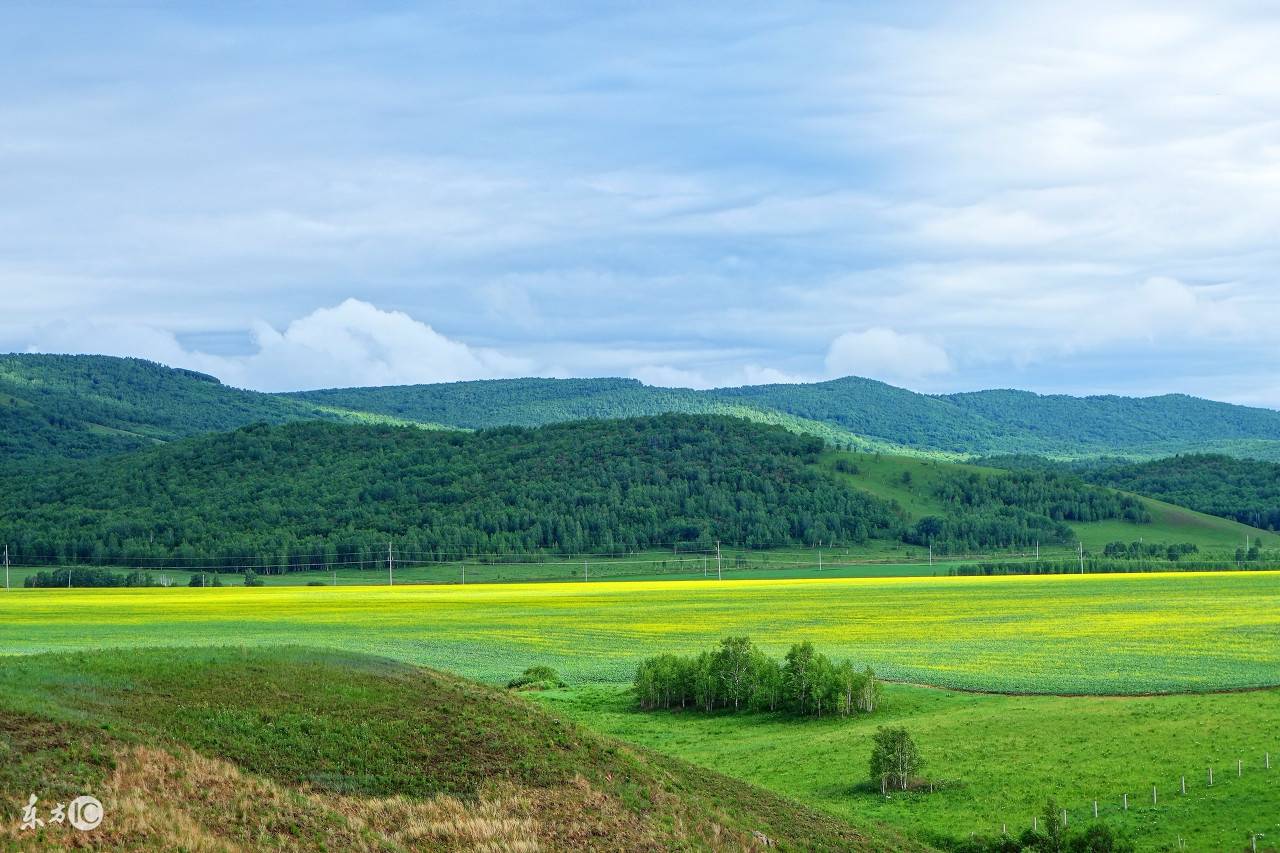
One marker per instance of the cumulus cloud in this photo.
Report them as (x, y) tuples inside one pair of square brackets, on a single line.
[(357, 344), (884, 354), (353, 343), (667, 376)]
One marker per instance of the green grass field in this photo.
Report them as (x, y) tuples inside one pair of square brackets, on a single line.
[(996, 759)]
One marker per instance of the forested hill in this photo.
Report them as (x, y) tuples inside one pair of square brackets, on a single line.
[(1152, 424), (88, 405), (344, 491), (79, 406), (852, 410), (1245, 490)]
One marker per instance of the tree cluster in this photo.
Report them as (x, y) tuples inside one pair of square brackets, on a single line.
[(739, 677), (1148, 550)]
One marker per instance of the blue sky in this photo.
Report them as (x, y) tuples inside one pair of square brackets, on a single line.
[(946, 197)]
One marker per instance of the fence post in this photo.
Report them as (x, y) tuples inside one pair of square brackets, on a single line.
[(1153, 795), (1095, 809), (1184, 785), (1126, 802), (1211, 776), (1239, 767)]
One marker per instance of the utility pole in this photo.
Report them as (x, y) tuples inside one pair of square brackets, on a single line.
[(391, 578), (6, 567), (1081, 544), (819, 559), (585, 569), (719, 575), (931, 555)]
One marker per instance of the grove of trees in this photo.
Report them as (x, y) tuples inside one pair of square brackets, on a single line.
[(737, 676)]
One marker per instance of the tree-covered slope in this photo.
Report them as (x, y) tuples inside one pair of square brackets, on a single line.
[(870, 408), (344, 491), (1144, 424), (514, 402), (79, 406), (1241, 489), (856, 413), (83, 405)]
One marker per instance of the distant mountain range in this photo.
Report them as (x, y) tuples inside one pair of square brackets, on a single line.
[(79, 406)]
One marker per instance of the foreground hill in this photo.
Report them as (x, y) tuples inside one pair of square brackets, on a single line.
[(297, 749)]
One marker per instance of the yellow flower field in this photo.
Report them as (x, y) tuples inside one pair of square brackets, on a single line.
[(1056, 634)]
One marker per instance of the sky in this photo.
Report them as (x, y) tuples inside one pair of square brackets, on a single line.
[(1078, 198)]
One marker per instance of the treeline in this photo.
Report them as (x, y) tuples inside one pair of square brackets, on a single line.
[(1138, 550), (303, 494), (88, 577), (740, 677), (1245, 490), (1095, 565)]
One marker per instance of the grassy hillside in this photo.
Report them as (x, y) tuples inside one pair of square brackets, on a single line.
[(1245, 490), (883, 476), (297, 749), (82, 405)]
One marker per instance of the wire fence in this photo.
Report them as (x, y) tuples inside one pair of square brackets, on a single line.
[(1146, 802)]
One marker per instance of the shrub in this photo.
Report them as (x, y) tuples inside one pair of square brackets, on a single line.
[(536, 678)]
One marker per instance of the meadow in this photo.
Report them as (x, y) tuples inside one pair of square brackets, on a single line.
[(1029, 634), (995, 758)]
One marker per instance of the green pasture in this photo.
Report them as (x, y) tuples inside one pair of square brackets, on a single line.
[(996, 759)]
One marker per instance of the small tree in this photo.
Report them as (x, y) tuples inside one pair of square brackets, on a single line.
[(894, 758), (734, 664), (251, 578), (868, 694)]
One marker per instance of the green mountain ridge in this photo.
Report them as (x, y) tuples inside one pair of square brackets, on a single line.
[(81, 406)]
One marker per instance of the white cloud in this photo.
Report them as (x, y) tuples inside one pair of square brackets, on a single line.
[(884, 354), (353, 343), (667, 376)]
